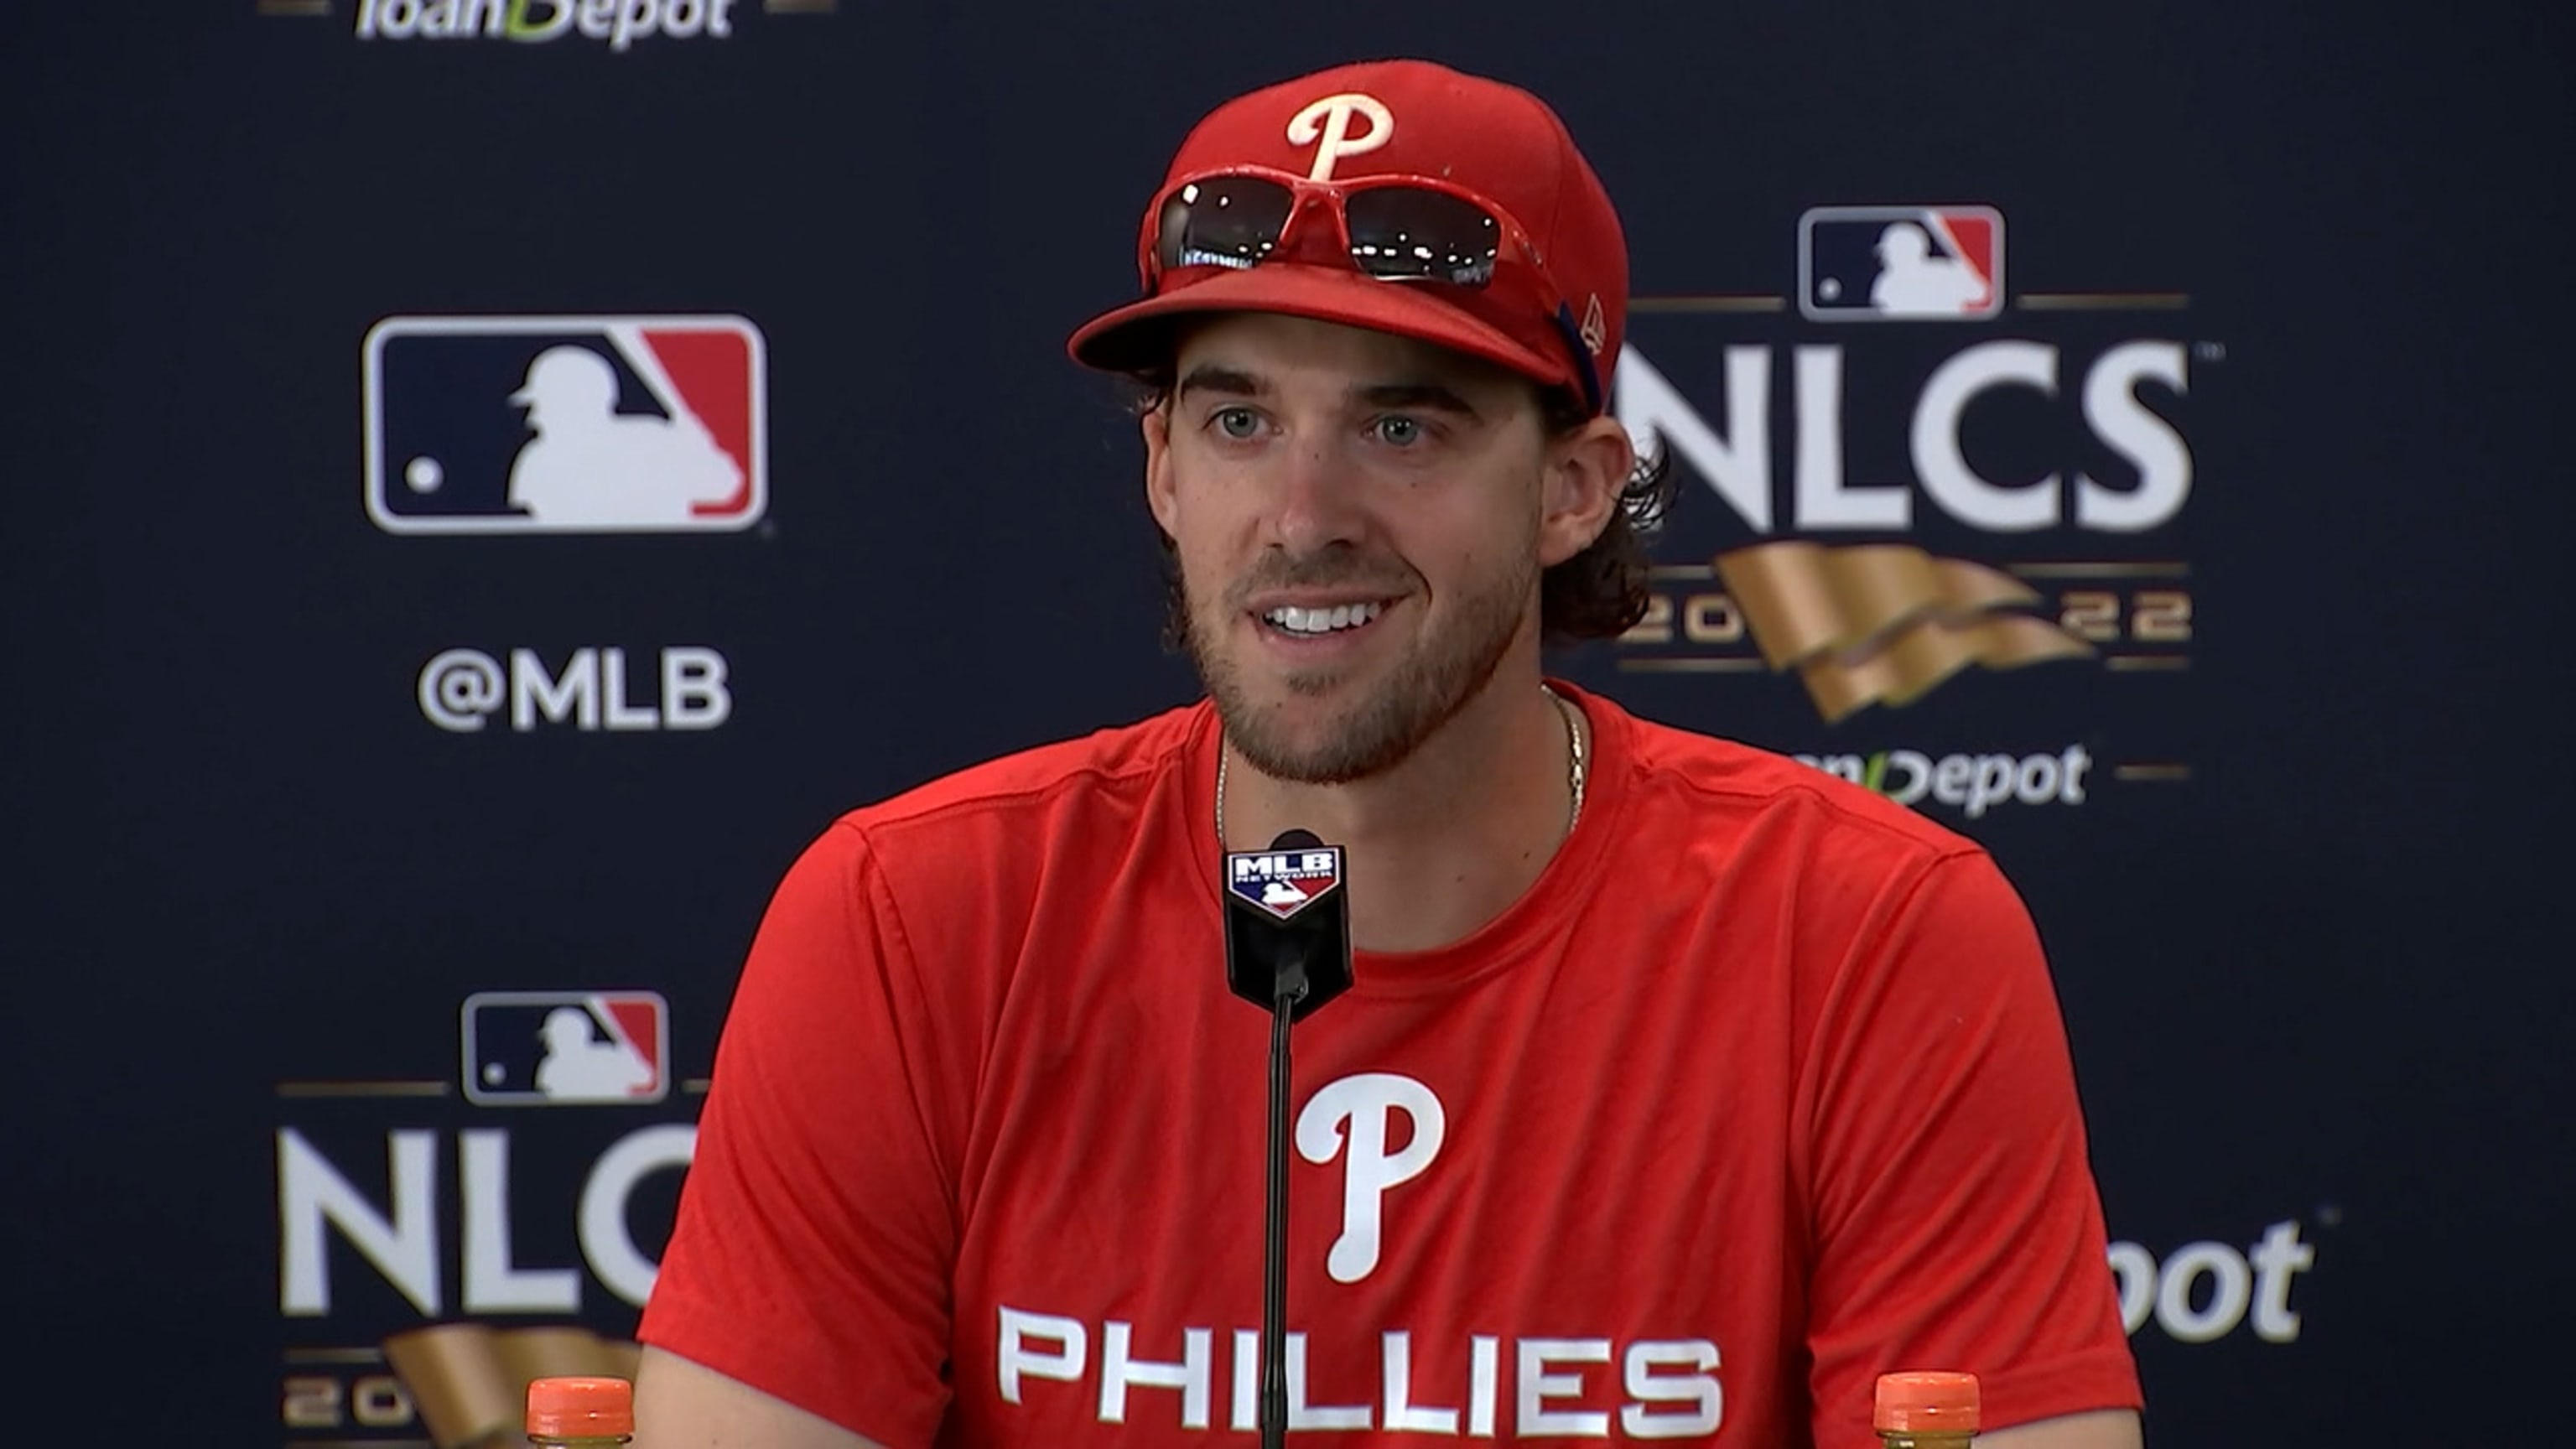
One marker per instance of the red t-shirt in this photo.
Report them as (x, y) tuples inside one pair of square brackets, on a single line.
[(1760, 1091)]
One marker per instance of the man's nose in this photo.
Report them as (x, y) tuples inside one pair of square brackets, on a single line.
[(1316, 502)]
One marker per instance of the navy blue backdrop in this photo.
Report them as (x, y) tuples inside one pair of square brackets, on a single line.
[(294, 784)]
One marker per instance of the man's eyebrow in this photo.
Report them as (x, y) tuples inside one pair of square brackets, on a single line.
[(1421, 395), (1429, 396), (1209, 377)]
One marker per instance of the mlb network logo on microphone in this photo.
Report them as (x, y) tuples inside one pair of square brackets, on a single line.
[(566, 424), (1284, 882), (566, 1048), (1901, 263)]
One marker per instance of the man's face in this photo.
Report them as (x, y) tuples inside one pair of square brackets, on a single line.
[(1358, 519)]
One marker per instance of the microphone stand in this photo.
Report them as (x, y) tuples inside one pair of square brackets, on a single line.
[(1289, 990), (1287, 949)]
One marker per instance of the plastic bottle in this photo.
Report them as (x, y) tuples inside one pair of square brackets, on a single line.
[(1926, 1410), (581, 1412)]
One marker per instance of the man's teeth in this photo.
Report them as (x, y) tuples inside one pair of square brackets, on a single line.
[(1323, 621)]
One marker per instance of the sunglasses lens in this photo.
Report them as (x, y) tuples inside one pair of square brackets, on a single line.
[(1402, 233), (1225, 221)]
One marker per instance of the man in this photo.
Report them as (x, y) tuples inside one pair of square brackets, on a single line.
[(1683, 1089)]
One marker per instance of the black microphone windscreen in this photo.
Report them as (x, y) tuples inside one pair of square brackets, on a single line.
[(1286, 912)]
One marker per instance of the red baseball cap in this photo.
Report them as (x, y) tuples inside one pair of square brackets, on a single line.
[(1400, 118)]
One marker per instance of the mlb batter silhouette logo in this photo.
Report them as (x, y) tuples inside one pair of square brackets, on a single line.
[(565, 425), (587, 467), (554, 1048), (1882, 263)]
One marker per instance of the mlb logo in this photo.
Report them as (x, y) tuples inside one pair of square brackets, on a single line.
[(1898, 263), (566, 424), (1284, 882), (566, 1048)]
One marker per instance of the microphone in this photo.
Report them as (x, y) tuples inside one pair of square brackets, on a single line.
[(1288, 950), (1287, 924)]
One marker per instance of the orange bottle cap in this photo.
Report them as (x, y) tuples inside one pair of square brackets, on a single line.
[(1927, 1402), (567, 1408)]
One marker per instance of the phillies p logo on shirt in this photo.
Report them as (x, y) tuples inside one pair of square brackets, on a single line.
[(1350, 1119)]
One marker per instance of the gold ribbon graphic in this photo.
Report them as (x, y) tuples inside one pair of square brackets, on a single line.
[(470, 1380), (1883, 623)]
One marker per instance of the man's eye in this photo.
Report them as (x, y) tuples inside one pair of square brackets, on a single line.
[(1402, 432), (1237, 423)]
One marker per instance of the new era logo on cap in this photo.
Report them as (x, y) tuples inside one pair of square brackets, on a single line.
[(1891, 263), (559, 1048), (566, 424), (1284, 882)]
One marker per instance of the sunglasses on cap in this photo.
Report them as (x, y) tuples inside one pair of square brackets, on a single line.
[(1396, 228)]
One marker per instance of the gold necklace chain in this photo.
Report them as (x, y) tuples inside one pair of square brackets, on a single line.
[(1575, 772)]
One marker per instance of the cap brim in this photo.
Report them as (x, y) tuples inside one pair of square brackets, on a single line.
[(1136, 338)]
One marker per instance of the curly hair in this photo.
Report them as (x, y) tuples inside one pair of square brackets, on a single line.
[(1599, 593)]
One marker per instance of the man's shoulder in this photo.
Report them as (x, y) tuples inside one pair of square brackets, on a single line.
[(1763, 836), (1037, 790), (1723, 792), (970, 858)]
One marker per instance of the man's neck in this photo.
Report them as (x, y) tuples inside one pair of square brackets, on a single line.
[(1444, 842)]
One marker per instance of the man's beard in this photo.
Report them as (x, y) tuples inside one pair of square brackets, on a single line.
[(1422, 691)]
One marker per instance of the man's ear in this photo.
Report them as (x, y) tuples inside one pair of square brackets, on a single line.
[(1156, 425), (1586, 472)]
